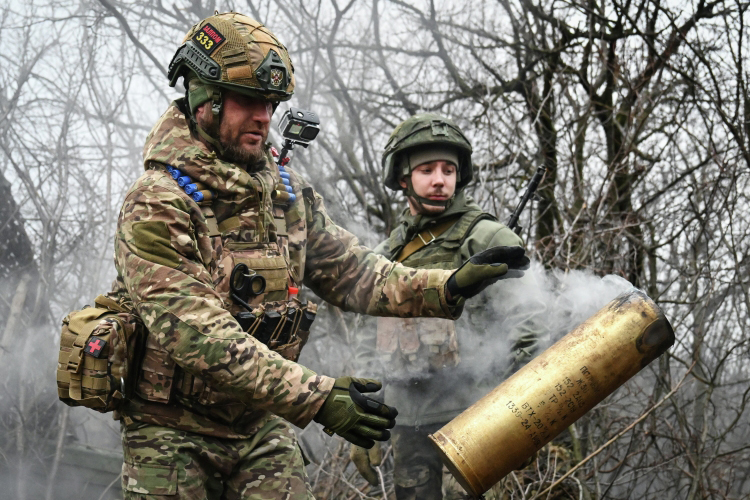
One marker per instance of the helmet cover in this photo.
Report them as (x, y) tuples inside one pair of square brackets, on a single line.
[(235, 52), (416, 133)]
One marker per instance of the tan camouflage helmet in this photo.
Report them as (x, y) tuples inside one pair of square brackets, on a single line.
[(233, 52)]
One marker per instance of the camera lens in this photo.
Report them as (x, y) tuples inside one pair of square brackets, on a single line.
[(309, 133)]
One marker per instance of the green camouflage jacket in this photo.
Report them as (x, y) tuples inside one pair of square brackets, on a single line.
[(201, 372), (435, 368)]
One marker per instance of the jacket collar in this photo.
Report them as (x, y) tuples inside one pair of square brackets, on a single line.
[(170, 142)]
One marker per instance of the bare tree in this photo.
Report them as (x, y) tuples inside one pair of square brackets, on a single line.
[(639, 111)]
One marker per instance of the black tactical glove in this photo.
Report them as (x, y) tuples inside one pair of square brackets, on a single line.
[(355, 417), (484, 268)]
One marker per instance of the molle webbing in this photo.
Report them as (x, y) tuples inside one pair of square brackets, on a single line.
[(100, 350)]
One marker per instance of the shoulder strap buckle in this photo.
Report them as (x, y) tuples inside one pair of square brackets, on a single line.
[(426, 242)]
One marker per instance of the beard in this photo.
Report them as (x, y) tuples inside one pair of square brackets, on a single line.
[(252, 160)]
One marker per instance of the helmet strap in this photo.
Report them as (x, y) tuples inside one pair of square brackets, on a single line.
[(211, 135), (206, 137), (420, 201)]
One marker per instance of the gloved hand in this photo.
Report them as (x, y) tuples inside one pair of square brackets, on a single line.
[(355, 417), (484, 268), (364, 460)]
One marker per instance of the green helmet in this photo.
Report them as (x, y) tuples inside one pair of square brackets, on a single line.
[(427, 129)]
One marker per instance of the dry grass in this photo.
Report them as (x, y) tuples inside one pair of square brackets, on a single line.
[(336, 478)]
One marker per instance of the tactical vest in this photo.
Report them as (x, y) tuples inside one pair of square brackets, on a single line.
[(258, 237), (411, 347)]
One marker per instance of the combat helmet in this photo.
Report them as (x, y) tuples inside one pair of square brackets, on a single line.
[(427, 129), (233, 52)]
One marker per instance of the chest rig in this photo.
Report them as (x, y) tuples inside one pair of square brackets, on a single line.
[(412, 347), (251, 264), (256, 238)]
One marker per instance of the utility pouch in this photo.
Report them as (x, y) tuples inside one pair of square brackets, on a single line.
[(283, 326), (416, 346), (100, 352)]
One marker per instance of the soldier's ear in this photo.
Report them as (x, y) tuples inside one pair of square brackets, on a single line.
[(402, 183), (203, 114)]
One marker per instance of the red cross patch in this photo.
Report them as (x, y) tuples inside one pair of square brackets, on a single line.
[(95, 347)]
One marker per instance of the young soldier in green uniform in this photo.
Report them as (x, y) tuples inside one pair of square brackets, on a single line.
[(434, 367), (212, 242)]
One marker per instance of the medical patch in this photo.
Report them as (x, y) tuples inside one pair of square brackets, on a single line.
[(95, 347), (208, 39)]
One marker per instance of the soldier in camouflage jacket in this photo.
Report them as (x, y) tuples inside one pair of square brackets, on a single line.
[(213, 405)]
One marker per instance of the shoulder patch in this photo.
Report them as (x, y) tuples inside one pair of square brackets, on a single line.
[(208, 39), (152, 243)]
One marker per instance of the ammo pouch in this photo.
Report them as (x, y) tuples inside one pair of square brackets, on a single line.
[(413, 347), (283, 326), (100, 352)]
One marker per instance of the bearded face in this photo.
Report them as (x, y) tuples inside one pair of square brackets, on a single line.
[(243, 128)]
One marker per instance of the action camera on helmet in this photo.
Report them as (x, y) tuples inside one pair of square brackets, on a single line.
[(299, 125)]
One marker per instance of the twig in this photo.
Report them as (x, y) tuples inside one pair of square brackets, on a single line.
[(58, 451), (109, 486), (346, 482), (617, 436), (126, 27), (382, 481)]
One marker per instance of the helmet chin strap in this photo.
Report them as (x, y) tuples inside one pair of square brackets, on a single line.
[(420, 201), (211, 135)]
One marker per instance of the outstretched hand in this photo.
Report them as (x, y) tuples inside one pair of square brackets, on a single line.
[(484, 268)]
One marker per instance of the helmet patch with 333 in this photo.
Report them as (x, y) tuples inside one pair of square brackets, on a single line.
[(208, 39)]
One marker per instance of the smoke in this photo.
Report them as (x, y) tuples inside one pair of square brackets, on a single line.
[(557, 300), (517, 319), (499, 330), (39, 435)]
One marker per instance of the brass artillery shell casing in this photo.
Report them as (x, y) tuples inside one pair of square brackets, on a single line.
[(503, 429)]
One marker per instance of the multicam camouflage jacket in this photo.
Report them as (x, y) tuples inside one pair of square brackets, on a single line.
[(201, 372), (435, 368)]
